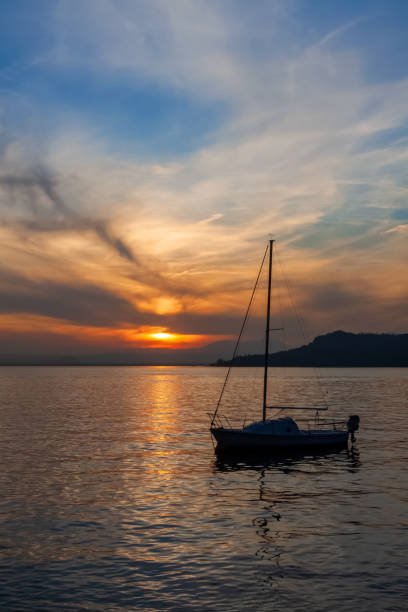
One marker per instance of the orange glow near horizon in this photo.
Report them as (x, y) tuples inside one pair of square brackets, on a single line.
[(100, 338), (151, 337)]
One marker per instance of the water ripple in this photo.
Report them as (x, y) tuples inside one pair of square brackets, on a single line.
[(112, 498)]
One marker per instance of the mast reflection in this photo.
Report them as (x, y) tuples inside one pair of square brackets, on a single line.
[(226, 462), (286, 485)]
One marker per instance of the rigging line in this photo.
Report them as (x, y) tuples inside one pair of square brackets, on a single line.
[(239, 337), (302, 327), (279, 316), (300, 322)]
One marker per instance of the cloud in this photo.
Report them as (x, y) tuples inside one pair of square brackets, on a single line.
[(333, 297), (179, 44), (63, 217), (82, 304), (93, 305), (310, 150), (403, 227)]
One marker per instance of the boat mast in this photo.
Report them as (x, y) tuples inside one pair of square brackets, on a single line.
[(268, 316)]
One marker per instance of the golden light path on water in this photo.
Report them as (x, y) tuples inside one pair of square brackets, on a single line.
[(112, 490)]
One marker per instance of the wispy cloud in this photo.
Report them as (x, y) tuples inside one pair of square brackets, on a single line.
[(300, 152), (38, 181)]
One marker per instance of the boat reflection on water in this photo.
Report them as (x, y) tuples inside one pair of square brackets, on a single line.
[(289, 506), (285, 459)]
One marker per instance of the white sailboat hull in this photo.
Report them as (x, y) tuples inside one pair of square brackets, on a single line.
[(236, 439)]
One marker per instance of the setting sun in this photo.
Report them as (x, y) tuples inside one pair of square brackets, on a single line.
[(163, 336), (156, 337)]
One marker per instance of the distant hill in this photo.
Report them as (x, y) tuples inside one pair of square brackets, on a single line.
[(337, 349)]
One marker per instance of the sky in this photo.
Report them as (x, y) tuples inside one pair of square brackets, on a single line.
[(150, 148)]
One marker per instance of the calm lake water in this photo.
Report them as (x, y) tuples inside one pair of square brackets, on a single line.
[(112, 498)]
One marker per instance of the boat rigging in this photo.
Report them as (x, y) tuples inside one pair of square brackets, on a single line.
[(278, 433)]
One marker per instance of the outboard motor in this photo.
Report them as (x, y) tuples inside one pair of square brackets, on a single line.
[(353, 424)]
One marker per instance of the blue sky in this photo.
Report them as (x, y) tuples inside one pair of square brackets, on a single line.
[(133, 113), (54, 63), (162, 125)]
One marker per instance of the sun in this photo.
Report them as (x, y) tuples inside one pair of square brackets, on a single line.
[(162, 336)]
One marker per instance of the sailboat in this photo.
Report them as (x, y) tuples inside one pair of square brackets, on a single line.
[(281, 433)]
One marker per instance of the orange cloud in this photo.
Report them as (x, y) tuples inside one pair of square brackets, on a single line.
[(81, 336)]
